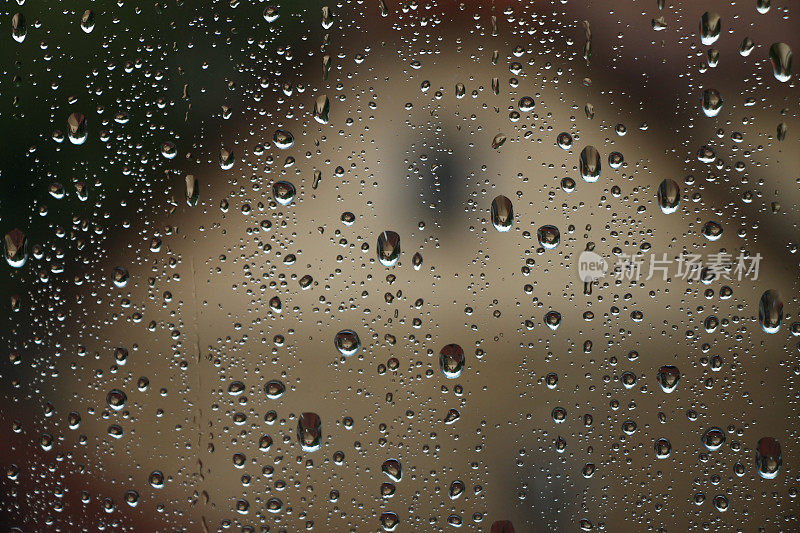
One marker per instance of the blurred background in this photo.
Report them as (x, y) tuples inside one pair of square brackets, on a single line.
[(167, 288)]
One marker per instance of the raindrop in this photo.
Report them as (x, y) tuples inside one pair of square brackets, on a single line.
[(711, 102), (770, 311), (77, 131), (388, 248), (19, 27), (669, 196), (590, 164), (347, 342), (549, 236), (283, 139), (781, 57), (668, 377), (16, 248), (713, 439), (451, 361), (87, 21), (322, 108), (309, 432), (710, 28), (502, 213), (283, 192), (768, 458)]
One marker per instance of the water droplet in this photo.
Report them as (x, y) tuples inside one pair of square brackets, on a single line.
[(87, 21), (526, 104), (451, 361), (274, 389), (502, 213), (283, 139), (393, 469), (746, 47), (416, 261), (498, 141), (781, 57), (116, 399), (16, 248), (770, 311), (711, 102), (762, 6), (456, 489), (549, 236), (388, 248), (710, 28), (19, 27), (552, 320), (615, 160), (347, 342), (169, 150), (768, 458), (668, 377), (712, 230), (322, 108), (327, 18), (77, 131), (157, 479), (389, 521), (192, 190), (309, 432), (271, 13), (669, 196), (663, 448), (120, 277), (226, 159), (713, 439), (564, 140), (283, 192), (590, 164)]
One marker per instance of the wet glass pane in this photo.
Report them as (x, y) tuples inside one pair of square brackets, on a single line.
[(399, 266)]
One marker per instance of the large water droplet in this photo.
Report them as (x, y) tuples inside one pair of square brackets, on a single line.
[(710, 28), (19, 27), (502, 213), (713, 439), (712, 230), (393, 469), (781, 57), (768, 457), (322, 108), (663, 448), (116, 399), (549, 236), (347, 342), (711, 102), (77, 131), (451, 360), (770, 311), (87, 21), (590, 164), (271, 13), (668, 377), (283, 192), (309, 432), (15, 248), (283, 139), (388, 248), (192, 190), (669, 196)]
